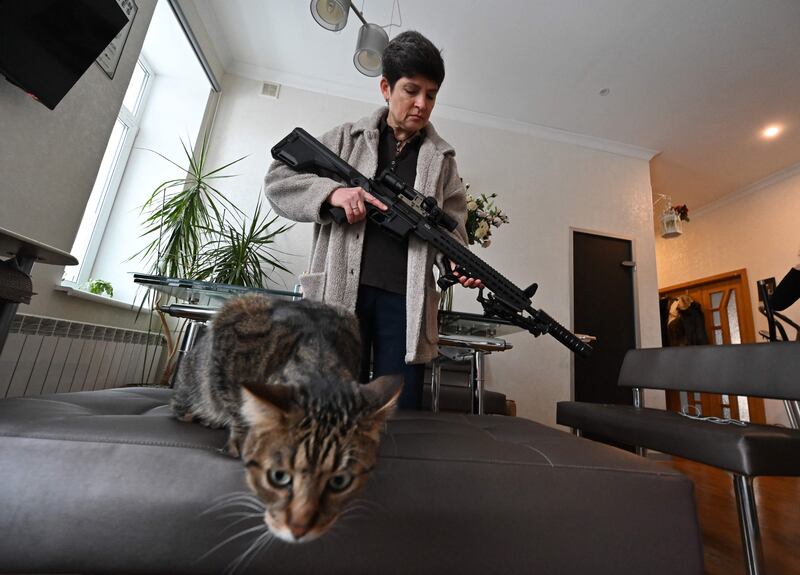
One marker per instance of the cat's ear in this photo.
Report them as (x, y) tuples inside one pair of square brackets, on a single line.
[(266, 404), (381, 394)]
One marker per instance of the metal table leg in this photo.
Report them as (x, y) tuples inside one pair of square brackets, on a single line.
[(476, 376), (9, 309), (193, 330), (436, 384)]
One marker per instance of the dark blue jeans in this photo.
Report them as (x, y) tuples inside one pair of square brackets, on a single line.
[(382, 317)]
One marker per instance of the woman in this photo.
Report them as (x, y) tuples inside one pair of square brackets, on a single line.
[(388, 283)]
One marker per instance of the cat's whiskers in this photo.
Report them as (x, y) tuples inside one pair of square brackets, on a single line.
[(261, 543), (230, 539), (235, 495), (242, 517), (232, 500), (242, 514)]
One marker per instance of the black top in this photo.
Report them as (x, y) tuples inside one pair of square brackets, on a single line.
[(787, 292), (385, 258)]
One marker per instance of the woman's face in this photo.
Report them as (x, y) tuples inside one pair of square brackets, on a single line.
[(411, 102)]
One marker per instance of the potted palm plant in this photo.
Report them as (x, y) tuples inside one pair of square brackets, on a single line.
[(196, 232)]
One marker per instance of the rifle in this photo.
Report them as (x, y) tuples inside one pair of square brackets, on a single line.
[(411, 212)]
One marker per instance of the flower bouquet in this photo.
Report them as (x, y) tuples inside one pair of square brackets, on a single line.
[(482, 216)]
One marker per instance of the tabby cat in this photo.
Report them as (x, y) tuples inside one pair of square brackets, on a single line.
[(281, 376)]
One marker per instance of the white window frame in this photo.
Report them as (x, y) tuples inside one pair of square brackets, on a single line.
[(81, 274)]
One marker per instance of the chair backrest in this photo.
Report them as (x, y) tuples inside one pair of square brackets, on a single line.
[(757, 369), (766, 309)]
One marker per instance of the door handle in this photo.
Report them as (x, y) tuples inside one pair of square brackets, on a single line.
[(586, 338), (628, 264)]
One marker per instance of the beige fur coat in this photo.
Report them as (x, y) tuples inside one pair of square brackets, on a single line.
[(334, 267)]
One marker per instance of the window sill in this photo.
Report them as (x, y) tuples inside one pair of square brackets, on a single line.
[(105, 300)]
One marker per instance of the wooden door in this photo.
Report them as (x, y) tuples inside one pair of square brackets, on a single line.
[(725, 301)]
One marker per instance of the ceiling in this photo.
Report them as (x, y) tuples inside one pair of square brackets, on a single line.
[(690, 82)]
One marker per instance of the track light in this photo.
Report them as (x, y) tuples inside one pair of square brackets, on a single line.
[(372, 39), (330, 14)]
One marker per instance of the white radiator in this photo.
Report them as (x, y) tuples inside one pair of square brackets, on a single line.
[(47, 355)]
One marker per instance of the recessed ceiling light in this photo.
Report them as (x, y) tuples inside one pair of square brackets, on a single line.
[(771, 132)]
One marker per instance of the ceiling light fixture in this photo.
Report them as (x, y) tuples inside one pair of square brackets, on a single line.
[(330, 14), (372, 39), (771, 132)]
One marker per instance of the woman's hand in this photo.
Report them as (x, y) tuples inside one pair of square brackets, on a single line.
[(353, 201), (467, 281)]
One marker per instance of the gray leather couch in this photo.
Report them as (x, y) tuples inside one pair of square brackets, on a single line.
[(109, 482)]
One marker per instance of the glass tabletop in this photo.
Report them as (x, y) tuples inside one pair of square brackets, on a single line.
[(464, 323), (210, 294), (201, 292)]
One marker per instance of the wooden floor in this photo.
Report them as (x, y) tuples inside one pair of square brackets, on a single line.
[(778, 500)]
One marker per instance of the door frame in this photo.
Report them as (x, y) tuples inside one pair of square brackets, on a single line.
[(637, 331), (746, 327), (747, 331)]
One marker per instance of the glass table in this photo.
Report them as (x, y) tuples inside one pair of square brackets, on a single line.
[(468, 336), (202, 293), (202, 298), (462, 336), (21, 253)]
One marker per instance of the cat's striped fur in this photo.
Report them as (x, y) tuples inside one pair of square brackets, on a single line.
[(282, 377)]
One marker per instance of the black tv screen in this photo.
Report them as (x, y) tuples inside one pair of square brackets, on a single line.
[(47, 45)]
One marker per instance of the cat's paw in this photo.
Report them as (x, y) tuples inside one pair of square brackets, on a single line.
[(232, 448), (184, 417)]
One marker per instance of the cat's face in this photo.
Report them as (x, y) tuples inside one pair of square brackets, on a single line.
[(307, 463)]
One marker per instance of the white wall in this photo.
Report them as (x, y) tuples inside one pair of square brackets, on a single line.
[(758, 229), (546, 187), (49, 160)]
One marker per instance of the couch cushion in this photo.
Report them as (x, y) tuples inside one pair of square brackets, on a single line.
[(749, 450), (108, 481)]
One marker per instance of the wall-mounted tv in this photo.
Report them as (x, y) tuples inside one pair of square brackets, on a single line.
[(47, 45)]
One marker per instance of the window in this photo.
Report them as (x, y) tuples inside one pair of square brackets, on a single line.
[(163, 107), (112, 167)]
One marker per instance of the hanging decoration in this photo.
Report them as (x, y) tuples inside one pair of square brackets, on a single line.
[(672, 217)]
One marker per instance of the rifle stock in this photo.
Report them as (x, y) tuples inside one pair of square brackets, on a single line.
[(411, 212)]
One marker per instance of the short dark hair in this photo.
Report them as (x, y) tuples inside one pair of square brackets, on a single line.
[(410, 53)]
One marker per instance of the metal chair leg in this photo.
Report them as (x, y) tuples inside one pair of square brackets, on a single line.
[(792, 412), (638, 401), (748, 523)]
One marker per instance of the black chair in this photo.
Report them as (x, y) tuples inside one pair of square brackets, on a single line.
[(746, 450)]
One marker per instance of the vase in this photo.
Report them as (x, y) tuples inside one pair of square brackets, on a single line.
[(446, 299), (670, 225)]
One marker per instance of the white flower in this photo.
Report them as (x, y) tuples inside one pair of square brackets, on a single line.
[(483, 229), (472, 205)]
